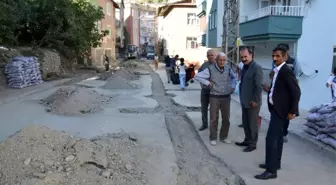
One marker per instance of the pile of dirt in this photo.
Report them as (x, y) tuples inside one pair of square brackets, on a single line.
[(133, 64), (69, 101), (121, 79), (40, 156)]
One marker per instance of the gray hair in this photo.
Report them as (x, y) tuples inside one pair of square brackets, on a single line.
[(211, 51), (220, 54)]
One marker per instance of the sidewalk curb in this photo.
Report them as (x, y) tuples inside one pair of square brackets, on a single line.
[(237, 178)]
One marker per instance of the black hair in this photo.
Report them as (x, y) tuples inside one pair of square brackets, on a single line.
[(181, 61), (283, 45), (176, 56), (282, 49), (249, 49)]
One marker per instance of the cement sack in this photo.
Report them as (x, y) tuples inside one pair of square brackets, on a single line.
[(312, 126), (310, 131), (326, 109), (316, 108), (322, 124), (23, 72), (314, 117), (326, 139), (330, 119), (327, 130)]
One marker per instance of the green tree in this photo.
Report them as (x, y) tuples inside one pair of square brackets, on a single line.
[(65, 25)]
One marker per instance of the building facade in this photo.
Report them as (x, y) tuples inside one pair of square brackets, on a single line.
[(178, 30), (147, 26), (108, 42), (266, 23), (120, 24)]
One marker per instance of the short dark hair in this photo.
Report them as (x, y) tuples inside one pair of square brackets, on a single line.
[(282, 49), (176, 56), (249, 49), (182, 59), (284, 45)]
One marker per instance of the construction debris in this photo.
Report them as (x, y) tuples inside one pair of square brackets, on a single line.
[(40, 156), (71, 101)]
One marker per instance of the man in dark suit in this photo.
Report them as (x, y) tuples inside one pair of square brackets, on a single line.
[(250, 90), (283, 101)]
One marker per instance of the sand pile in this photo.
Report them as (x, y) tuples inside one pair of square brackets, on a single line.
[(70, 101), (121, 79), (40, 156)]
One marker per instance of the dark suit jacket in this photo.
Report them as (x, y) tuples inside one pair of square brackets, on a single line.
[(251, 87), (286, 93)]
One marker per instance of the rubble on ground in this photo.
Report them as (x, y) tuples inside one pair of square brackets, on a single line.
[(39, 156), (69, 101)]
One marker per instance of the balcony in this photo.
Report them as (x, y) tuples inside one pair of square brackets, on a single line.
[(202, 9), (272, 23)]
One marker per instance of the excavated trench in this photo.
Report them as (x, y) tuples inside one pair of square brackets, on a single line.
[(196, 165)]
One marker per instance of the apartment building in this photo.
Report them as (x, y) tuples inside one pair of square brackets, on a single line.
[(108, 23), (308, 26), (178, 29)]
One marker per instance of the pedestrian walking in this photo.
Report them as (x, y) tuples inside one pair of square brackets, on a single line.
[(283, 101), (156, 61), (205, 92), (168, 67), (182, 74), (221, 80), (250, 90), (107, 62)]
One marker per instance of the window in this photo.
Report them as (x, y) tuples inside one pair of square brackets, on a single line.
[(108, 8), (213, 20), (191, 43), (192, 19), (110, 31)]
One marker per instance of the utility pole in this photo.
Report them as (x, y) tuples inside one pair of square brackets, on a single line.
[(231, 30)]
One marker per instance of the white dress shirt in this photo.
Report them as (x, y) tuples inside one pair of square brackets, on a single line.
[(276, 72)]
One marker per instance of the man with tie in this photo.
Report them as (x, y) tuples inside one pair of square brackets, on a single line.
[(283, 101)]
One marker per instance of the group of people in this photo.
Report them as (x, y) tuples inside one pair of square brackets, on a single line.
[(183, 72), (218, 81)]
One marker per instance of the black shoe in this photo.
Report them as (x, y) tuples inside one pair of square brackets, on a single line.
[(241, 125), (263, 166), (203, 128), (250, 149), (241, 144), (266, 175)]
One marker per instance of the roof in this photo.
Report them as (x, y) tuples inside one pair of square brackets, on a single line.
[(115, 5), (167, 8)]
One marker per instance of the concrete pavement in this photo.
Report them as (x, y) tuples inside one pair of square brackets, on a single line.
[(303, 162), (150, 129)]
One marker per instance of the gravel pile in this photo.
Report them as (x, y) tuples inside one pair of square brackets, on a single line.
[(69, 101), (121, 79), (40, 156)]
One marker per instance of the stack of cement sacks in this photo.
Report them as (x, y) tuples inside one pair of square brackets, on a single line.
[(321, 123), (23, 72)]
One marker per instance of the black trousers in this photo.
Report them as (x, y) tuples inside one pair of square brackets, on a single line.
[(274, 142), (285, 128), (250, 123), (205, 101)]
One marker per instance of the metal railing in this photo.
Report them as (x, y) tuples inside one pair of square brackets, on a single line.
[(273, 10)]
